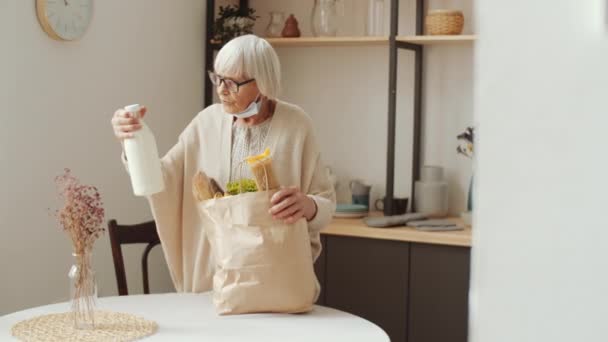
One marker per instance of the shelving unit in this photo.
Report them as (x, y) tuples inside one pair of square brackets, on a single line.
[(415, 43)]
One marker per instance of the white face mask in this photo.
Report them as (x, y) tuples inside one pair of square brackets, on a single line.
[(252, 109)]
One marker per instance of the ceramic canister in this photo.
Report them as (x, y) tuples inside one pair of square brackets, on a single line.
[(431, 196)]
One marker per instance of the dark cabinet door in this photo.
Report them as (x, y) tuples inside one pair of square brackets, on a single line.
[(439, 289), (369, 278), (320, 271)]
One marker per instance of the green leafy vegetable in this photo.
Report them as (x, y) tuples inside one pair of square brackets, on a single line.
[(246, 185)]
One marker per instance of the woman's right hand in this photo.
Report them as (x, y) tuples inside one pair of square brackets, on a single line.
[(125, 123)]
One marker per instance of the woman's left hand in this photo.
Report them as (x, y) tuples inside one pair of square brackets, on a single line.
[(290, 204)]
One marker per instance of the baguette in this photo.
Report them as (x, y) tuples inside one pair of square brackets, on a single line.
[(201, 187), (215, 188)]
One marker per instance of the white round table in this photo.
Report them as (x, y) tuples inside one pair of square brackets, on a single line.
[(192, 317)]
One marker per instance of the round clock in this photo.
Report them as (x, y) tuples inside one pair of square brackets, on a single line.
[(64, 19)]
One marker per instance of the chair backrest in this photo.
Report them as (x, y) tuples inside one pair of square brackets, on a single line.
[(130, 234)]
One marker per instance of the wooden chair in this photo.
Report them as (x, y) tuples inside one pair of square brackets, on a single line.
[(130, 234)]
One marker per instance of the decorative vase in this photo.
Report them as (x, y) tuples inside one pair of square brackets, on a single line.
[(275, 25), (291, 29), (470, 195), (83, 291), (324, 19)]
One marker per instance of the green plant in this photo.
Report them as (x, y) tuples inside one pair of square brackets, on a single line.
[(241, 186), (232, 22)]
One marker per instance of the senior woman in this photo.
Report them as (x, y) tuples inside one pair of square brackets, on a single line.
[(249, 119)]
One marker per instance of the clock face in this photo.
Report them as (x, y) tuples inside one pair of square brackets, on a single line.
[(66, 19)]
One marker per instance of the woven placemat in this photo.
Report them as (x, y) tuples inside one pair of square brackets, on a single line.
[(109, 326)]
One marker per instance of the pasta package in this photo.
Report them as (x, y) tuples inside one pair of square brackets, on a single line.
[(263, 173)]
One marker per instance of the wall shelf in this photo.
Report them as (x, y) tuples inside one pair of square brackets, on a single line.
[(327, 41), (433, 40), (363, 41)]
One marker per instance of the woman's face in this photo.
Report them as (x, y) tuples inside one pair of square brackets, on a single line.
[(237, 102)]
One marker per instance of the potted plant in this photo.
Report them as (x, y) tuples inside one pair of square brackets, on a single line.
[(232, 22)]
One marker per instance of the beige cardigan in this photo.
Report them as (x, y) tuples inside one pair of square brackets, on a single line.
[(205, 145)]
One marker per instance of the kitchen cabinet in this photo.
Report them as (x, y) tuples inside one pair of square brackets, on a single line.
[(412, 284), (438, 293), (369, 278)]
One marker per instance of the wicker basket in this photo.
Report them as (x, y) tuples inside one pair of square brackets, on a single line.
[(444, 22)]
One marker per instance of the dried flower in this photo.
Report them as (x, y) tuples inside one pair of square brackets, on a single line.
[(467, 138), (82, 215)]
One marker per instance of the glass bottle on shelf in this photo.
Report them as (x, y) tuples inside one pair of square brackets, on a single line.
[(375, 18), (324, 20)]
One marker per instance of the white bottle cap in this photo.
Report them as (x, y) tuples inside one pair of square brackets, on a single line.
[(134, 109)]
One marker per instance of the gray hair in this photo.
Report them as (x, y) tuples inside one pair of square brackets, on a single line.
[(251, 57)]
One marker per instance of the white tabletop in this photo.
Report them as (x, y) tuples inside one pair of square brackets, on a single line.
[(192, 317)]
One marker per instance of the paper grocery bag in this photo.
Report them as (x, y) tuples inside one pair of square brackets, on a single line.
[(262, 264)]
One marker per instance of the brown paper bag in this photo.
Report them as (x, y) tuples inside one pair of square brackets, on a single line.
[(262, 265)]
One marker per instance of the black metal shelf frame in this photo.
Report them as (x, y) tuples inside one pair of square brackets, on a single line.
[(394, 45)]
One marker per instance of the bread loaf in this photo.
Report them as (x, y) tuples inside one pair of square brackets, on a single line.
[(201, 187)]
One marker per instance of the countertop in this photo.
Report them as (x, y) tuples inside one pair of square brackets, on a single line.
[(357, 228)]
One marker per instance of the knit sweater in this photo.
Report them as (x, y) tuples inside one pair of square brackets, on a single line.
[(246, 141)]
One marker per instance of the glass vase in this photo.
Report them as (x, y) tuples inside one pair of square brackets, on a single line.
[(470, 195), (324, 19), (375, 18), (83, 291), (275, 25)]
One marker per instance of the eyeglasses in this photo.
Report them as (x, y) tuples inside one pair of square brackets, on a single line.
[(232, 85)]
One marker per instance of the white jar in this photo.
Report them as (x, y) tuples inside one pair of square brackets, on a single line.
[(431, 192)]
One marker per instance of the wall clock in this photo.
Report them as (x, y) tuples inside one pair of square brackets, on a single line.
[(64, 19)]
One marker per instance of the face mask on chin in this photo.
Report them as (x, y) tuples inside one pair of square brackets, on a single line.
[(251, 110)]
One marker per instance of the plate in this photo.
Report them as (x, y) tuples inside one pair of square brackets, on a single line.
[(351, 208), (350, 215)]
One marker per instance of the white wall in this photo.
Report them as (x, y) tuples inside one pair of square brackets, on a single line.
[(345, 90), (56, 105), (540, 257)]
